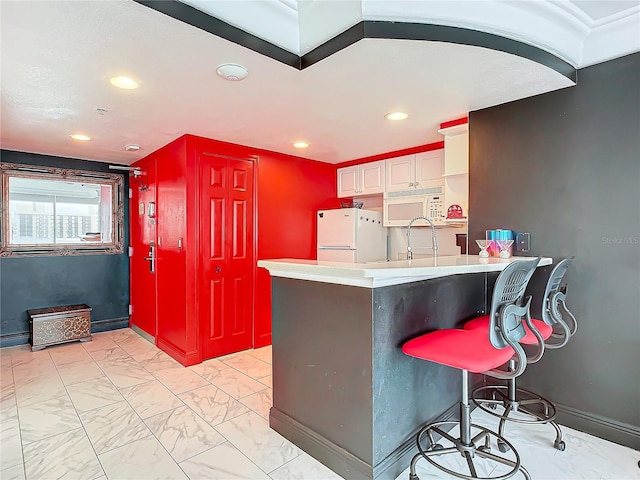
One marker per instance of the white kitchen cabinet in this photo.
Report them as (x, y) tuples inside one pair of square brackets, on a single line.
[(456, 166), (364, 179), (429, 167), (456, 150), (414, 172), (400, 173)]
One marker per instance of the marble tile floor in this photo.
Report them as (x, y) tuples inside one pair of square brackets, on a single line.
[(119, 408)]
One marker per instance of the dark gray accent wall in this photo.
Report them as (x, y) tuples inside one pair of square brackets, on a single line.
[(565, 166), (100, 281)]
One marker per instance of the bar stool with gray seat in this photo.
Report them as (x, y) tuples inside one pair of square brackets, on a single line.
[(478, 351), (556, 329)]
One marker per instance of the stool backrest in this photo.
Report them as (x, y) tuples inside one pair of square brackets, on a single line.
[(508, 305), (555, 294)]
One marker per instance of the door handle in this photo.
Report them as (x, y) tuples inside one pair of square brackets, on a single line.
[(218, 269), (151, 258)]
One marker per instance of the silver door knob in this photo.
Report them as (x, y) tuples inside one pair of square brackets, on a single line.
[(218, 269)]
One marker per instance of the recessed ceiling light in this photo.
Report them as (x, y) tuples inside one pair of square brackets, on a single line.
[(124, 82), (80, 136), (232, 72), (300, 144), (396, 116)]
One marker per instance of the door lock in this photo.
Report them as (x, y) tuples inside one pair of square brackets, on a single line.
[(218, 269), (151, 258)]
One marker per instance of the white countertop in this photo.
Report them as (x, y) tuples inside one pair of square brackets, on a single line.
[(381, 274)]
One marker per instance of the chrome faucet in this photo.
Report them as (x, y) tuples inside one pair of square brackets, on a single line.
[(434, 239)]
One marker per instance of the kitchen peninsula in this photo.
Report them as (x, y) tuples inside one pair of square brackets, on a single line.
[(342, 389)]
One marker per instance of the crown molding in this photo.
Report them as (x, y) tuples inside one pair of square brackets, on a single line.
[(612, 39)]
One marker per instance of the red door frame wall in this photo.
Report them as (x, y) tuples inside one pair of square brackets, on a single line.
[(177, 331), (137, 185), (256, 207), (287, 197)]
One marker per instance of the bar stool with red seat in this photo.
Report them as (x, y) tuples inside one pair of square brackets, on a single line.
[(555, 331), (478, 351)]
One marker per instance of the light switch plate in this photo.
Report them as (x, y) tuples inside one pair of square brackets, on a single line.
[(523, 242)]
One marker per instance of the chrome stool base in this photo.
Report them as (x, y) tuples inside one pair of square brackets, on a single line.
[(479, 445), (517, 400)]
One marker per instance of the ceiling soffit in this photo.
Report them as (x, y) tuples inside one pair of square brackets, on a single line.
[(363, 29), (577, 32)]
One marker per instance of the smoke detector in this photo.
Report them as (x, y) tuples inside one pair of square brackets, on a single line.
[(232, 72), (132, 147)]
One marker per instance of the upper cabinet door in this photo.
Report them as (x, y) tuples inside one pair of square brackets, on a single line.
[(348, 181), (364, 179), (456, 160), (400, 173), (371, 178), (429, 168)]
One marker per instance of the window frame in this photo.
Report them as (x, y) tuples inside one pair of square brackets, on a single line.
[(116, 181)]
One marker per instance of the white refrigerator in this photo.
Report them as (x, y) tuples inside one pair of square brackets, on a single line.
[(351, 235)]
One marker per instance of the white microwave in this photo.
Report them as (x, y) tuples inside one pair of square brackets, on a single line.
[(400, 210)]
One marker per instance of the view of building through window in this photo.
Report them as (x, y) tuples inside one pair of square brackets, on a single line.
[(58, 212)]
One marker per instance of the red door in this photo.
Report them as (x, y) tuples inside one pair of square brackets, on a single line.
[(226, 254), (143, 235)]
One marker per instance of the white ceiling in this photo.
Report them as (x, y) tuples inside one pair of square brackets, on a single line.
[(599, 10), (57, 58)]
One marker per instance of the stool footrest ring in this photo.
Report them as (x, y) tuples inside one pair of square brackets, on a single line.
[(525, 402), (479, 445)]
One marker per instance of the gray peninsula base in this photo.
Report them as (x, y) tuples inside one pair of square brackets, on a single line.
[(342, 389)]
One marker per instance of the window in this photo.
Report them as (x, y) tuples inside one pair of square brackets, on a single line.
[(54, 211)]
